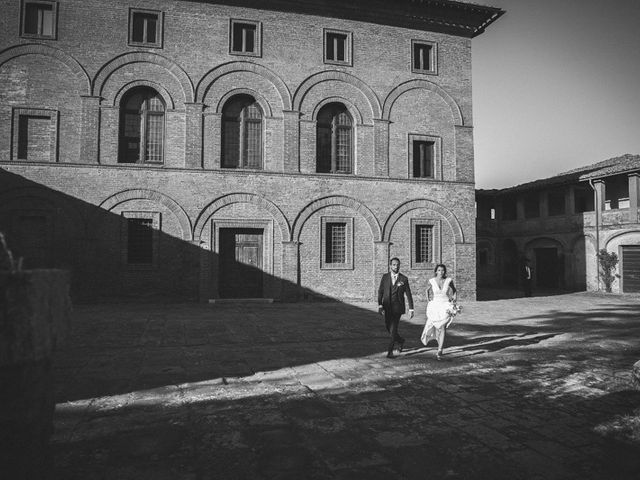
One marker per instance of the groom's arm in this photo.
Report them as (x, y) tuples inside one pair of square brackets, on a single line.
[(407, 291), (380, 292)]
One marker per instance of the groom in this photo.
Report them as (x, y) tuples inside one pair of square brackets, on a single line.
[(394, 286)]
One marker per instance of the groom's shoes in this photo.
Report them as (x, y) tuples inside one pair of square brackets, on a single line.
[(401, 345), (390, 355)]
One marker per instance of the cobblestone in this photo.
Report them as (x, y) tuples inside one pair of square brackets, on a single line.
[(528, 388)]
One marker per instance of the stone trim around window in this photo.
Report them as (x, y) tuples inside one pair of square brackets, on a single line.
[(38, 23), (348, 263), (437, 154), (330, 54), (159, 33), (238, 44), (436, 249), (20, 121), (428, 65), (156, 225)]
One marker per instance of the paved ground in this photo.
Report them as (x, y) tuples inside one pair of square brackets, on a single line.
[(536, 388)]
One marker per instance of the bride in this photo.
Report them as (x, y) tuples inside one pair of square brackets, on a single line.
[(438, 318)]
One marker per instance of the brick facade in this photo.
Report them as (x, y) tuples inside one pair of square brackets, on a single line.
[(80, 200)]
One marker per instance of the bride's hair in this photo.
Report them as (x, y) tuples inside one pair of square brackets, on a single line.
[(444, 267)]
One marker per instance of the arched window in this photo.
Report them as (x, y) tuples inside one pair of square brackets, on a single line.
[(142, 126), (334, 153), (242, 133)]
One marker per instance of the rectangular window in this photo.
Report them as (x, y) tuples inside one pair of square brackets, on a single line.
[(140, 237), (423, 57), (583, 199), (423, 159), (509, 208), (556, 202), (244, 38), (145, 28), (35, 135), (337, 243), (336, 235), (425, 243), (532, 205), (140, 241), (424, 156), (337, 47), (39, 19)]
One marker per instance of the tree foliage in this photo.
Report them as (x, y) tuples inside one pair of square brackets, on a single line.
[(608, 262)]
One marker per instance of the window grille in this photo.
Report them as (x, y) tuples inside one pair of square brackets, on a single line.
[(424, 244), (336, 237)]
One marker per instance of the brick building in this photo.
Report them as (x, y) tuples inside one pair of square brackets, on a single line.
[(223, 149), (559, 223)]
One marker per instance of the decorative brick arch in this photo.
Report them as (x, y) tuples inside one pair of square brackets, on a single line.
[(166, 96), (38, 49), (335, 200), (426, 85), (143, 57), (49, 196), (353, 110), (161, 198), (552, 240), (266, 107), (406, 207), (225, 69), (313, 80), (620, 234), (232, 198)]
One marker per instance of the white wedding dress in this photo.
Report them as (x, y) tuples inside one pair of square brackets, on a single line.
[(437, 316)]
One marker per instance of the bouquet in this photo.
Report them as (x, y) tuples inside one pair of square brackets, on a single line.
[(453, 310)]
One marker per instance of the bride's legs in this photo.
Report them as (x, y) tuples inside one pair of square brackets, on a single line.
[(441, 334)]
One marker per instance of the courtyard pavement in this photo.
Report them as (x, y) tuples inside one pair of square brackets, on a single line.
[(529, 388)]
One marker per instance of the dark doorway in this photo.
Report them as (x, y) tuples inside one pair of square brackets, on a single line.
[(631, 268), (241, 262), (546, 267)]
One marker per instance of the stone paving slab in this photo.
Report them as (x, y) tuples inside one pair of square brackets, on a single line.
[(529, 388)]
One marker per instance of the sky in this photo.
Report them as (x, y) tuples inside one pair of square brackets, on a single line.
[(556, 86)]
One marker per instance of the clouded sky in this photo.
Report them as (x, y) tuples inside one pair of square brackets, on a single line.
[(556, 85)]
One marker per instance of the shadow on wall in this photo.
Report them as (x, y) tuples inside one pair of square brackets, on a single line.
[(114, 256)]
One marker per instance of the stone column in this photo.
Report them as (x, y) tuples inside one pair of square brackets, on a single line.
[(207, 290), (291, 141), (193, 135), (109, 135), (90, 129), (544, 204), (601, 192), (520, 208), (290, 271), (570, 201), (381, 147), (212, 140), (381, 263), (634, 193)]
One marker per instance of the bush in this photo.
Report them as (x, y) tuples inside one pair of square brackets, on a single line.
[(607, 262)]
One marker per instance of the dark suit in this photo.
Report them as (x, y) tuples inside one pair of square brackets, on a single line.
[(391, 297)]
